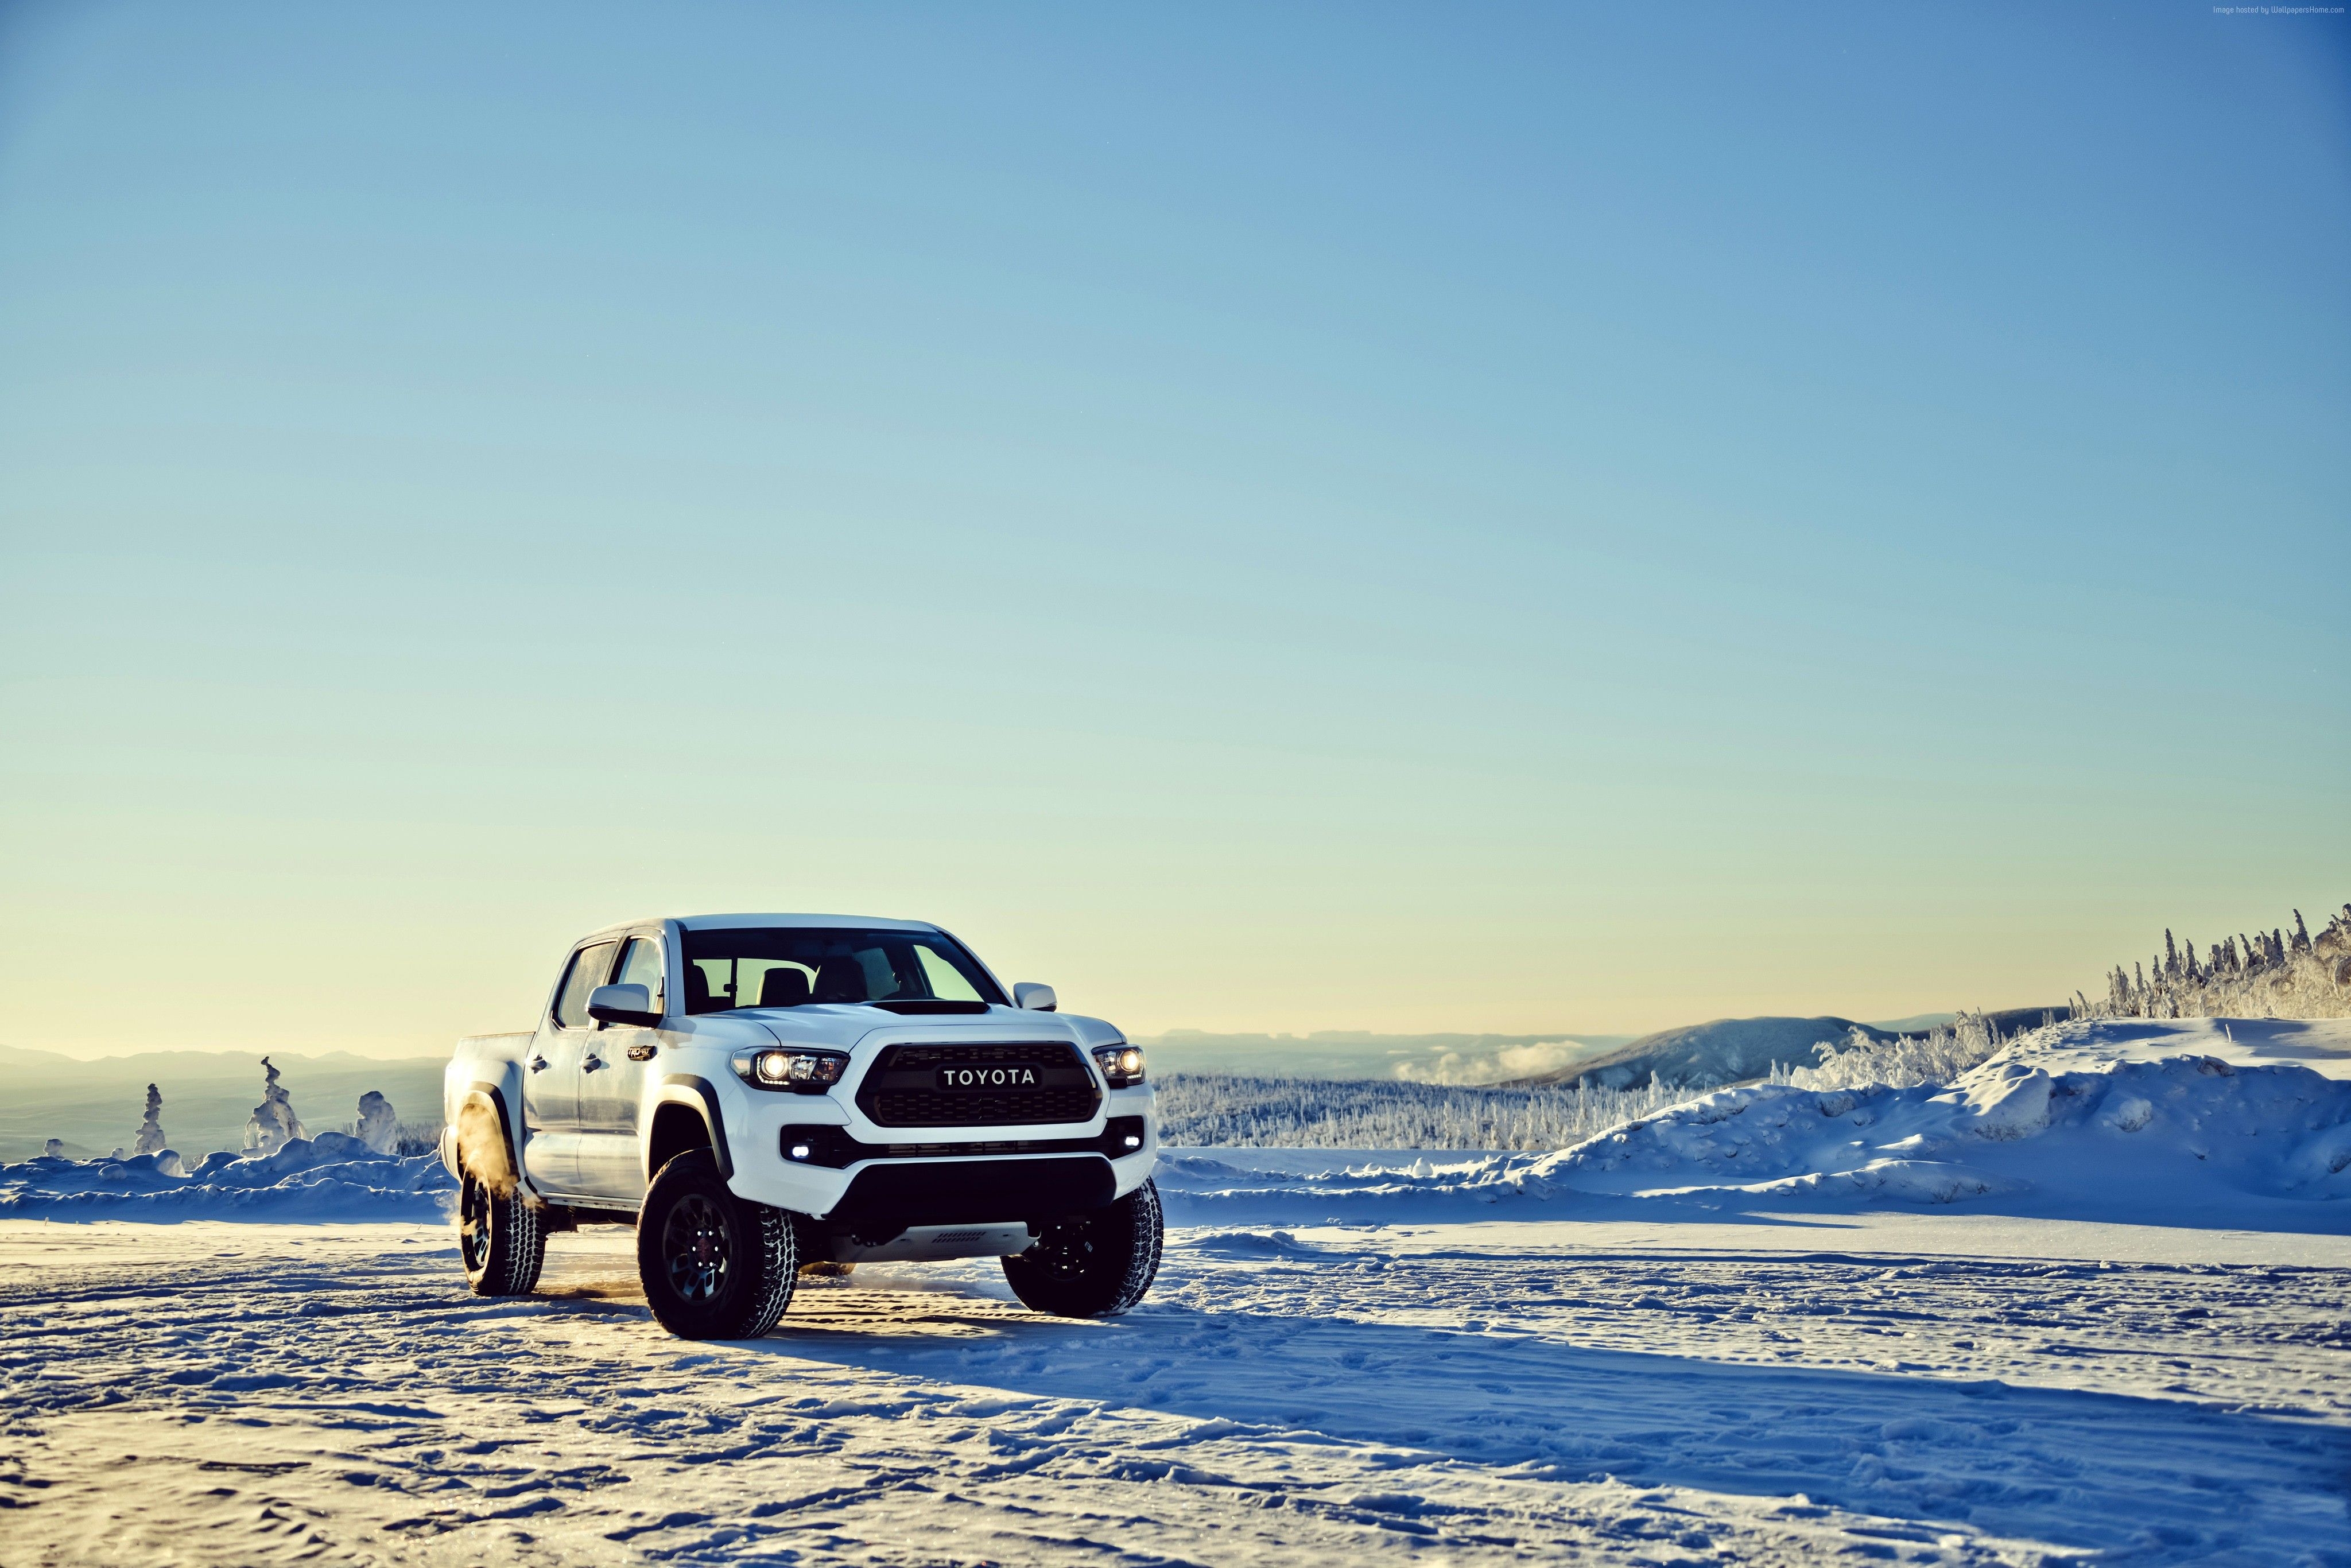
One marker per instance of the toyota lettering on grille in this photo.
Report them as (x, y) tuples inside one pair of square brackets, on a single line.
[(1013, 1077), (961, 1084)]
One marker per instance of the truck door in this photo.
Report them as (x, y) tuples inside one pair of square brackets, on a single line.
[(613, 1065), (550, 1082)]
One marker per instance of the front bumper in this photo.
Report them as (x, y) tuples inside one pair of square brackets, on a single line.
[(959, 1175), (887, 1197)]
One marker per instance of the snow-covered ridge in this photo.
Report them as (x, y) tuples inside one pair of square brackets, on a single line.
[(2104, 1117), (2158, 1132), (331, 1176)]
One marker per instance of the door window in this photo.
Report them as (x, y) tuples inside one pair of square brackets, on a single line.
[(589, 968), (641, 965)]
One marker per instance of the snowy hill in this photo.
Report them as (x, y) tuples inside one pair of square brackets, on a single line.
[(1735, 1050), (2323, 1045), (2231, 1123), (2077, 1123), (1723, 1050)]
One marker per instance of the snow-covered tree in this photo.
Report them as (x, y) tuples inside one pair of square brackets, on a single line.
[(151, 1131), (2264, 973), (378, 1127), (273, 1124)]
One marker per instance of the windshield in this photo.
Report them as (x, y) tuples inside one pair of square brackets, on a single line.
[(787, 966)]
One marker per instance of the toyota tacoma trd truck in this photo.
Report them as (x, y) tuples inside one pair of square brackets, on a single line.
[(761, 1094)]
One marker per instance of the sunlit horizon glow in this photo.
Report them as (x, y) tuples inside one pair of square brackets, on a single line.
[(1520, 522)]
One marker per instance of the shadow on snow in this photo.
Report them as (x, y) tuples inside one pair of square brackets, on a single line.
[(2090, 1471)]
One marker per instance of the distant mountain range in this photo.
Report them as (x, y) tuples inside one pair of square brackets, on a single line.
[(1357, 1054)]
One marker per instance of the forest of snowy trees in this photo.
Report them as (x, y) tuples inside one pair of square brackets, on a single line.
[(1234, 1110), (2287, 974), (1939, 1055)]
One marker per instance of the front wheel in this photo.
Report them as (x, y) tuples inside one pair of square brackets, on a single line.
[(499, 1239), (713, 1265), (1093, 1265)]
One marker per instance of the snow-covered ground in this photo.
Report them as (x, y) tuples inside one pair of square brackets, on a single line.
[(2323, 1045), (2128, 1342)]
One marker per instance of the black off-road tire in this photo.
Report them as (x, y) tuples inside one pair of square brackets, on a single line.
[(1093, 1265), (713, 1265), (500, 1240)]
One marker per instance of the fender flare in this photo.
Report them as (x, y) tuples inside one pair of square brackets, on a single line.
[(482, 1091), (691, 1090)]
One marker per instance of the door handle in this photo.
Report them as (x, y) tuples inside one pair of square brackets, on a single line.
[(590, 1063), (538, 1065)]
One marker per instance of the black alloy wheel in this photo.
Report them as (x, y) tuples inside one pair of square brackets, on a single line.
[(1068, 1252), (1093, 1265), (694, 1247), (713, 1265), (474, 1225)]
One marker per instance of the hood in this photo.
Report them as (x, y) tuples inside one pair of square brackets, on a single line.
[(842, 1026)]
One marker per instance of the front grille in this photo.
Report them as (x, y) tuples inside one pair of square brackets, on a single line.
[(902, 1090)]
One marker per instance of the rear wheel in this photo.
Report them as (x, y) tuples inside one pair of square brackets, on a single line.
[(499, 1239), (1093, 1265), (713, 1265)]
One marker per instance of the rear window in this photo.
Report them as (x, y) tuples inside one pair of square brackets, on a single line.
[(766, 966)]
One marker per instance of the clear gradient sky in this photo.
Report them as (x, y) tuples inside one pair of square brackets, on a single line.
[(1287, 517)]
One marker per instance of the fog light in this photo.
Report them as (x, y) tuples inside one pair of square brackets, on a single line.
[(1133, 1142), (801, 1151)]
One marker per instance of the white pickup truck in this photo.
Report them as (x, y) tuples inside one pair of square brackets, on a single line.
[(764, 1093)]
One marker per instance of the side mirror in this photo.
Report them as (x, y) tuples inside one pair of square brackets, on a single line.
[(623, 1004), (1037, 998)]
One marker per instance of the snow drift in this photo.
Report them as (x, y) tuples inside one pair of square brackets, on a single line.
[(2158, 1132), (2059, 1128), (332, 1176)]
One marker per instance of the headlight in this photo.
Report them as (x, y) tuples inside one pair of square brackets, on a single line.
[(1122, 1065), (802, 1071)]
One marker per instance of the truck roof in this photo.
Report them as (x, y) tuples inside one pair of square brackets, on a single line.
[(736, 922)]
